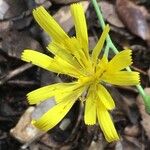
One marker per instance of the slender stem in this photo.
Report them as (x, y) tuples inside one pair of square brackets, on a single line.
[(110, 45), (142, 92), (99, 14), (113, 47)]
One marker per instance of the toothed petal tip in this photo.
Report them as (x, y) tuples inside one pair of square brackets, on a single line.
[(90, 123)]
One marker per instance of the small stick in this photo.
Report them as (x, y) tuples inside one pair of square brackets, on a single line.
[(21, 83), (15, 72), (139, 70)]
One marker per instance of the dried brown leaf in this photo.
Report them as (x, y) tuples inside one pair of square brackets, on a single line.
[(144, 115), (133, 16), (131, 143), (5, 25), (3, 9), (132, 131), (14, 42), (24, 131), (110, 14), (126, 105), (15, 8)]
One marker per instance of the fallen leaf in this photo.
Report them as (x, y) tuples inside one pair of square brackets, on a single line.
[(144, 115), (133, 16), (3, 9), (126, 105), (14, 42), (132, 131), (110, 14), (131, 143), (128, 143), (15, 8), (96, 145), (39, 2), (5, 25), (22, 23), (24, 131)]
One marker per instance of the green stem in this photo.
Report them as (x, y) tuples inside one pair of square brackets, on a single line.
[(110, 45), (99, 14), (106, 52)]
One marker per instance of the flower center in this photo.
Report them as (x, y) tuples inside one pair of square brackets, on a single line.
[(92, 78)]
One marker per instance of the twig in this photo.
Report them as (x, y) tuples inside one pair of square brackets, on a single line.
[(13, 73), (21, 83), (127, 88), (139, 70)]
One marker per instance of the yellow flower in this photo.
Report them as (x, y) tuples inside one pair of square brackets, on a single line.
[(71, 57)]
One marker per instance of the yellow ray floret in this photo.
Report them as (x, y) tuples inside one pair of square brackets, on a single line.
[(120, 61), (99, 45), (76, 50), (54, 115), (61, 51), (48, 23), (101, 66), (52, 64), (57, 113), (121, 78), (80, 26), (105, 97), (67, 68), (49, 91), (40, 60), (106, 123), (90, 108)]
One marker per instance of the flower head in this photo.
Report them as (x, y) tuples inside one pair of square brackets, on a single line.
[(72, 57)]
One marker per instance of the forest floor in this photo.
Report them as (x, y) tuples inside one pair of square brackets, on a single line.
[(129, 21)]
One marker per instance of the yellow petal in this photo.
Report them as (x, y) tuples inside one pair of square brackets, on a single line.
[(73, 89), (46, 21), (54, 115), (62, 52), (120, 61), (66, 68), (57, 113), (105, 97), (48, 63), (76, 50), (99, 45), (101, 66), (80, 26), (44, 93), (122, 78), (54, 90), (40, 60), (90, 108), (106, 123)]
